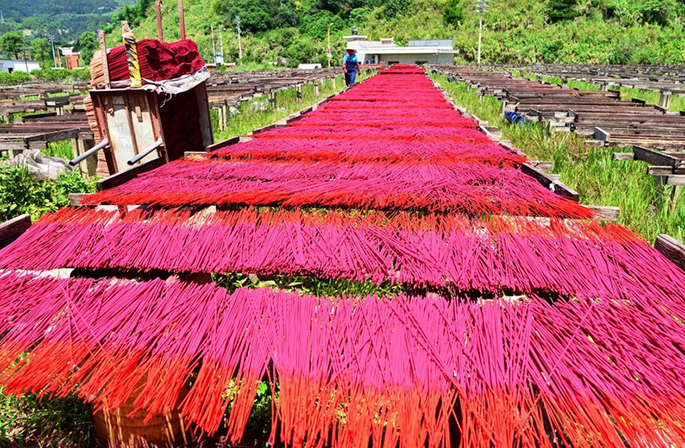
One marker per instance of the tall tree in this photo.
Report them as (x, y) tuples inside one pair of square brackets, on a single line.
[(41, 51), (87, 44), (12, 43)]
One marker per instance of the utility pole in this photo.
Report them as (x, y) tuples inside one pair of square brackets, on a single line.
[(2, 16), (481, 6), (240, 45), (52, 44), (213, 44), (329, 53), (221, 43)]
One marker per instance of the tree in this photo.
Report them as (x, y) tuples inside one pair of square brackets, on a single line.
[(87, 44), (393, 8), (559, 10), (41, 51), (12, 43), (453, 14), (257, 17)]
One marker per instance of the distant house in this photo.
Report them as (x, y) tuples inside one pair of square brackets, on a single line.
[(71, 57), (18, 65), (385, 51)]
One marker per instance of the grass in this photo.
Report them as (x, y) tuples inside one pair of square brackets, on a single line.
[(645, 208), (287, 103), (28, 422)]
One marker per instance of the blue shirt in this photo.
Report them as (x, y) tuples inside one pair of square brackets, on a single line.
[(351, 62)]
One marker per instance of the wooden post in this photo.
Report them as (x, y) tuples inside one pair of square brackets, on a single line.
[(665, 99), (13, 229), (158, 12), (273, 99), (220, 113), (105, 63), (672, 249), (334, 87), (181, 19), (316, 89), (299, 91)]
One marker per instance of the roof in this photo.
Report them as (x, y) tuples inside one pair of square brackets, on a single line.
[(387, 46), (68, 51), (410, 50), (19, 60)]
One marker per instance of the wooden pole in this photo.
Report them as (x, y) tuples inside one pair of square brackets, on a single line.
[(105, 62), (181, 19), (158, 12)]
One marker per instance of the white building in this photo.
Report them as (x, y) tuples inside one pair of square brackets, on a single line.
[(18, 65), (385, 51)]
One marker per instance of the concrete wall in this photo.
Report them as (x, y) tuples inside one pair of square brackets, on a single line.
[(18, 66), (412, 58)]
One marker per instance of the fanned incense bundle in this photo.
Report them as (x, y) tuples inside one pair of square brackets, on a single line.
[(354, 372), (551, 333), (490, 255), (477, 189), (401, 69), (353, 151)]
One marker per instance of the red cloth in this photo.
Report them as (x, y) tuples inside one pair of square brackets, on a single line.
[(158, 60)]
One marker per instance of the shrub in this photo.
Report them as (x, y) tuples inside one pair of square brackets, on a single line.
[(14, 78), (21, 193)]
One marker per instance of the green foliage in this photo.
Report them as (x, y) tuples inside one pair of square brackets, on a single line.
[(393, 8), (561, 10), (65, 20), (42, 51), (453, 13), (21, 193), (11, 43), (61, 75), (14, 78), (30, 421), (256, 17), (87, 44)]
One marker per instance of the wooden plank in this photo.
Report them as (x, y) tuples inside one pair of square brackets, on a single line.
[(547, 182), (545, 167), (223, 144), (75, 199), (605, 213), (13, 229), (124, 176), (672, 249), (654, 157), (623, 156), (194, 155), (676, 179), (601, 135), (659, 170)]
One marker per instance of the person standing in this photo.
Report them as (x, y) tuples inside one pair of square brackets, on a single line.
[(350, 66)]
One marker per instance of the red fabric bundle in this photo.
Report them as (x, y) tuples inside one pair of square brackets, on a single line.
[(159, 61)]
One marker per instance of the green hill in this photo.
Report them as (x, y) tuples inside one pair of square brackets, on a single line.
[(66, 20), (528, 31)]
